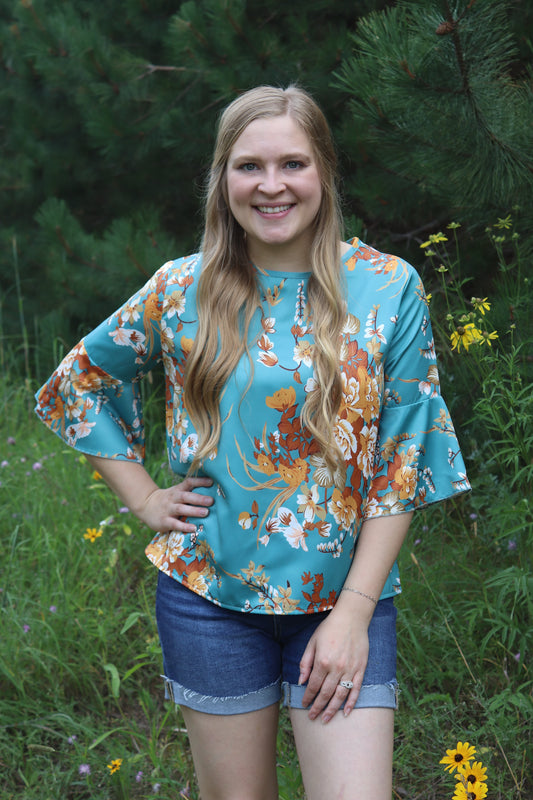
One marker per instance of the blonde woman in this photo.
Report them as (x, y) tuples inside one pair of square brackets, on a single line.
[(303, 412)]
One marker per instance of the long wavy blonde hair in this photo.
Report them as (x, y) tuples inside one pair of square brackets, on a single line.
[(228, 295)]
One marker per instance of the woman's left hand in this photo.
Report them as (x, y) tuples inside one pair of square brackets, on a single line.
[(337, 651)]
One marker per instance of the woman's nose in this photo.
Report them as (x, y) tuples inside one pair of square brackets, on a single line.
[(272, 182)]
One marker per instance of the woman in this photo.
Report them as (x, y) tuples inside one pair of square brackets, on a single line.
[(303, 408)]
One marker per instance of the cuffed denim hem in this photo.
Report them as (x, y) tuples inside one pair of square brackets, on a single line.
[(241, 704), (379, 695)]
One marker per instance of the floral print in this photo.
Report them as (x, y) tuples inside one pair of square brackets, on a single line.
[(283, 529)]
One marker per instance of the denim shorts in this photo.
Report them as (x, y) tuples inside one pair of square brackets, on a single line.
[(222, 661)]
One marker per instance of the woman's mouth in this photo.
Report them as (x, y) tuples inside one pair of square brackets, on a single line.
[(274, 209)]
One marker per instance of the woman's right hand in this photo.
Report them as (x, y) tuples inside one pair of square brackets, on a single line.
[(161, 509), (171, 509)]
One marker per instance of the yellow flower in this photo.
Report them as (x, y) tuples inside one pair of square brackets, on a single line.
[(486, 337), (92, 534), (480, 305), (434, 238), (474, 773), (96, 476), (471, 791), (115, 765), (503, 223), (465, 335), (459, 755)]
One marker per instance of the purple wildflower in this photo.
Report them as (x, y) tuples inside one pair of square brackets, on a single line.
[(52, 609), (139, 776), (84, 769), (37, 466), (11, 440), (72, 739), (25, 628), (123, 510), (4, 463), (511, 544)]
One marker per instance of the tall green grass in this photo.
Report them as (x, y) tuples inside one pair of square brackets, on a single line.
[(79, 655)]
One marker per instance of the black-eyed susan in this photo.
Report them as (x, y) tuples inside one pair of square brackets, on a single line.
[(470, 791), (459, 755), (93, 534), (474, 773), (115, 765)]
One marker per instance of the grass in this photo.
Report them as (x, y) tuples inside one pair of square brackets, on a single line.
[(80, 661)]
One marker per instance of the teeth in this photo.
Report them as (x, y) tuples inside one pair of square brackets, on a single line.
[(273, 209)]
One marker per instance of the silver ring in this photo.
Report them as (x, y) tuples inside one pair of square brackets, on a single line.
[(346, 684)]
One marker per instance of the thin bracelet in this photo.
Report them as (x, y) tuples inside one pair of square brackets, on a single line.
[(356, 591)]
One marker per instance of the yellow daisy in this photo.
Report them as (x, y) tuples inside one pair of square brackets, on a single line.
[(474, 773), (92, 534), (115, 765), (460, 754), (481, 304), (464, 336), (471, 791)]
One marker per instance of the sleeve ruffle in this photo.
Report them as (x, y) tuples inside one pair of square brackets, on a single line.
[(418, 460), (92, 411)]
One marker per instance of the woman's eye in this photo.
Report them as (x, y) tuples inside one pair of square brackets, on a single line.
[(249, 167), (294, 164)]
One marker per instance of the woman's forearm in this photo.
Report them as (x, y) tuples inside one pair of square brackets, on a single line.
[(378, 545)]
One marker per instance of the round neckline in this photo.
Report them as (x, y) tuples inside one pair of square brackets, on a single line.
[(277, 273)]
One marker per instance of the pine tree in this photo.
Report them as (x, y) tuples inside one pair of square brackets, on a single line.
[(112, 109), (443, 124)]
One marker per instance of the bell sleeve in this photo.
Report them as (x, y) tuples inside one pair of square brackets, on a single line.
[(417, 457), (93, 400)]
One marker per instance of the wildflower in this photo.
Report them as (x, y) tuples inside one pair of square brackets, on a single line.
[(96, 476), (465, 335), (139, 776), (474, 773), (4, 464), (442, 268), (486, 337), (72, 739), (11, 440), (123, 510), (434, 238), (92, 534), (503, 223), (516, 657), (84, 769), (37, 466), (115, 765), (52, 609), (457, 756), (511, 544), (25, 628), (453, 225), (470, 792), (480, 304), (473, 515), (156, 787)]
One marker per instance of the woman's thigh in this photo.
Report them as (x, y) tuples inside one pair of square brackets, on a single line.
[(235, 755), (349, 758)]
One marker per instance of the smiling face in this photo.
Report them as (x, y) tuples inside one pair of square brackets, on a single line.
[(274, 192)]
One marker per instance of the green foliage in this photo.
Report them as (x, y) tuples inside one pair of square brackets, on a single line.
[(444, 125)]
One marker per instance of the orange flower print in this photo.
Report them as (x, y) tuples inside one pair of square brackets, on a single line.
[(294, 474), (344, 509), (264, 464), (405, 480), (282, 399), (268, 359), (186, 344), (196, 582)]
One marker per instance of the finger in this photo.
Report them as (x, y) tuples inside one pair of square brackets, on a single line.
[(193, 483), (342, 695), (351, 700), (306, 663), (324, 696)]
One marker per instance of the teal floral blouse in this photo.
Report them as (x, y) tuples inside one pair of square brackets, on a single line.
[(281, 535)]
